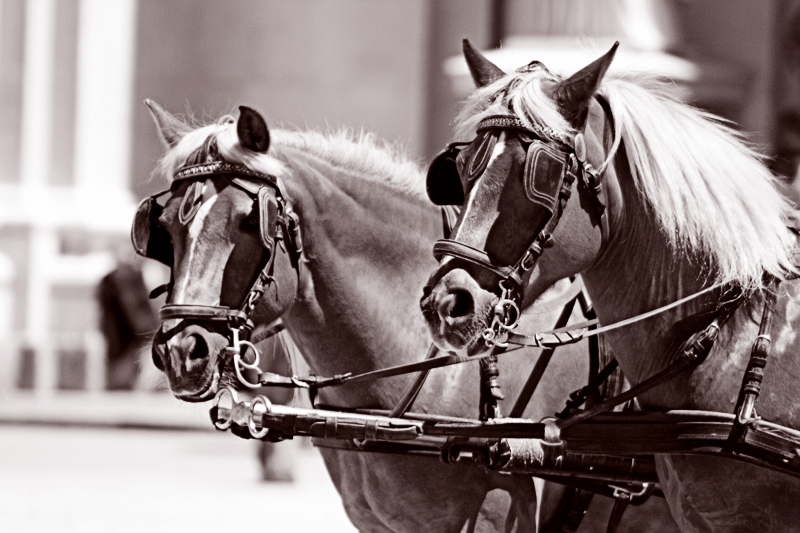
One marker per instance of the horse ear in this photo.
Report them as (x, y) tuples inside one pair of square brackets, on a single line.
[(171, 129), (574, 93), (252, 130), (483, 71)]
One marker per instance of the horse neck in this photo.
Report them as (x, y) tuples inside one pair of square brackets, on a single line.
[(637, 272), (367, 252)]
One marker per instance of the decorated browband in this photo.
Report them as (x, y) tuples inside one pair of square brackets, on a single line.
[(220, 167), (514, 123)]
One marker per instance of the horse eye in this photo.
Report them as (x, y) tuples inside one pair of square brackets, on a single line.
[(250, 223)]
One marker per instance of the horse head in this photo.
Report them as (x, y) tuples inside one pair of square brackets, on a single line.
[(514, 178), (231, 240)]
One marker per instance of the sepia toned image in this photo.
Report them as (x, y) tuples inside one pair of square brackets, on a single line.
[(399, 265)]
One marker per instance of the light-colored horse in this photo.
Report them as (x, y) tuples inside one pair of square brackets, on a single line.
[(689, 204), (351, 306)]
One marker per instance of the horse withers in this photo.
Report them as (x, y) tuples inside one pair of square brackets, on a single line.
[(651, 201), (345, 281)]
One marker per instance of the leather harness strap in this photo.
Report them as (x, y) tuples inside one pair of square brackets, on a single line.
[(751, 383), (539, 367)]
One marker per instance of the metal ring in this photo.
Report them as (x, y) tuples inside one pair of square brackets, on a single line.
[(511, 305), (255, 432), (225, 414), (237, 360), (254, 364)]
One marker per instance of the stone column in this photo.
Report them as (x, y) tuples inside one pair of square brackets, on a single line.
[(35, 152), (106, 52)]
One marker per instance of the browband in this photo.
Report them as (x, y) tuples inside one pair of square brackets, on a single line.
[(514, 123), (221, 167)]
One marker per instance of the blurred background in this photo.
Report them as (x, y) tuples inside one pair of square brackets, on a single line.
[(77, 147)]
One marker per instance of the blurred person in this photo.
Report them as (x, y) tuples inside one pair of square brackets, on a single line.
[(127, 321)]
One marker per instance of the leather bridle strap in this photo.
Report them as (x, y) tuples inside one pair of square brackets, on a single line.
[(200, 312), (473, 255)]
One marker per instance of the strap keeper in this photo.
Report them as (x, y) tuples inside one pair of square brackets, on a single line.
[(371, 430), (331, 427)]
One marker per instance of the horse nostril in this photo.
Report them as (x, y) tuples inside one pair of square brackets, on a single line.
[(200, 349), (463, 304), (457, 304)]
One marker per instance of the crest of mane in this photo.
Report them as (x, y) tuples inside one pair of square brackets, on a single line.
[(358, 153), (706, 187)]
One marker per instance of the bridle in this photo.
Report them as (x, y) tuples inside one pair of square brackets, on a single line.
[(549, 198), (277, 223)]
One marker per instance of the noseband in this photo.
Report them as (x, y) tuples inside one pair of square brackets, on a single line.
[(549, 197), (277, 222)]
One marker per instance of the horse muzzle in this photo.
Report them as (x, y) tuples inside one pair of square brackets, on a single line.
[(457, 310), (190, 358)]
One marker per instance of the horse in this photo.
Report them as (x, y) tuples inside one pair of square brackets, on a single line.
[(348, 298), (668, 202)]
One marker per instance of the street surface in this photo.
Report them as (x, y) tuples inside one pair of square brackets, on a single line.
[(105, 480)]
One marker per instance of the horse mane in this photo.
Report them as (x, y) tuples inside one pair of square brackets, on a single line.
[(359, 153), (705, 185)]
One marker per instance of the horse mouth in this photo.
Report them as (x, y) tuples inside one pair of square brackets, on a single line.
[(204, 393), (463, 336)]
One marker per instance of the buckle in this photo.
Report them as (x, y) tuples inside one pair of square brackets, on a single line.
[(629, 493)]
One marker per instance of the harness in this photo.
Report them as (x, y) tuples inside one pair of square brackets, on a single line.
[(508, 445), (277, 224)]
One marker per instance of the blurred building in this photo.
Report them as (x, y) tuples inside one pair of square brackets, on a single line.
[(78, 146)]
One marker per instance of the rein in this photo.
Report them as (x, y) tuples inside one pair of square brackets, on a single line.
[(548, 339)]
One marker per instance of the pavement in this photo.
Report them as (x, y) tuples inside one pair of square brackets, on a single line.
[(73, 479)]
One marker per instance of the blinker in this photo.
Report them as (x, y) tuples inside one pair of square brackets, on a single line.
[(443, 183), (544, 170), (268, 219), (149, 237)]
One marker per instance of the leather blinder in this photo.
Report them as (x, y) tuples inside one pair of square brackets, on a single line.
[(443, 183), (268, 219), (148, 237), (140, 230), (543, 175)]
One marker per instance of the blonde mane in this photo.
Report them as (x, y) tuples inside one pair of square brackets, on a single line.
[(358, 154), (707, 188)]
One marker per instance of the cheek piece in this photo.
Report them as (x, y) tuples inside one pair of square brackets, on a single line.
[(551, 167)]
